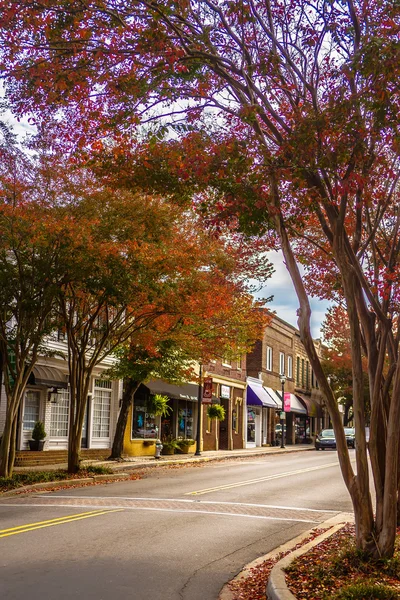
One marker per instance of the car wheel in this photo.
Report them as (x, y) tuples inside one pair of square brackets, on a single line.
[(317, 448)]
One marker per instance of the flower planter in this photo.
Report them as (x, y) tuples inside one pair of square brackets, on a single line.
[(184, 449), (167, 451)]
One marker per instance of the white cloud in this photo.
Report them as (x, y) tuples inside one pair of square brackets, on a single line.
[(285, 302)]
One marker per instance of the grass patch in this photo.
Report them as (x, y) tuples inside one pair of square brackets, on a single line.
[(367, 591), (18, 480)]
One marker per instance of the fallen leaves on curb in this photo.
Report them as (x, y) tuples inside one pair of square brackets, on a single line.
[(253, 585), (335, 563)]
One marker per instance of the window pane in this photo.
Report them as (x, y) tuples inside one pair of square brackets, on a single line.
[(143, 423), (185, 421), (101, 413), (31, 410), (59, 415)]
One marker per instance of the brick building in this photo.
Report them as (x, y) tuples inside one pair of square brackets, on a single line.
[(281, 354), (229, 385)]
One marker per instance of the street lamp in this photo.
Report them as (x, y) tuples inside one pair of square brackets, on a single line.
[(283, 381), (199, 408)]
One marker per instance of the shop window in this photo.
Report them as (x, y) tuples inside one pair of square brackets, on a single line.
[(101, 408), (269, 359), (143, 423), (251, 425), (60, 415), (290, 367), (31, 410), (185, 421), (281, 363)]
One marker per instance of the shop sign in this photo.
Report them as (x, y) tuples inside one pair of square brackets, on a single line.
[(286, 402), (207, 390), (225, 391)]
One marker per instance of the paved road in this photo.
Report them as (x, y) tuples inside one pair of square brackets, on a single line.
[(178, 534)]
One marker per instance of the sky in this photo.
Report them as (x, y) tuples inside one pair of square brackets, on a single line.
[(285, 302)]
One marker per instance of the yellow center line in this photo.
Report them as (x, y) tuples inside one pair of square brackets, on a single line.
[(259, 480), (52, 522)]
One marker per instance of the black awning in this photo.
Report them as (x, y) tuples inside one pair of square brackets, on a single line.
[(187, 391), (48, 376)]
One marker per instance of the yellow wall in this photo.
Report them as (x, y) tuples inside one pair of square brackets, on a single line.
[(141, 447), (136, 447)]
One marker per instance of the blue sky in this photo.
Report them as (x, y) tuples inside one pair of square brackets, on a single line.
[(285, 302)]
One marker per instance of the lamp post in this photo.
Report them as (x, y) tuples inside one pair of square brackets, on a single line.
[(199, 409), (283, 381)]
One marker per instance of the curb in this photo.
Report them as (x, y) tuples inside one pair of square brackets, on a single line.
[(276, 588), (126, 465), (63, 483)]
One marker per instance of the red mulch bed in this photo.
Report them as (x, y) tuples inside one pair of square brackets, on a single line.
[(320, 573)]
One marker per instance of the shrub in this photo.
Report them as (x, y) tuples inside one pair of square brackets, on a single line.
[(38, 432)]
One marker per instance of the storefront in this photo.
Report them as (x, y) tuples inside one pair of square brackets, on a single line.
[(144, 428), (261, 409), (296, 421), (47, 399)]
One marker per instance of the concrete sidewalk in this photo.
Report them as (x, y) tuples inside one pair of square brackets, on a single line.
[(140, 462)]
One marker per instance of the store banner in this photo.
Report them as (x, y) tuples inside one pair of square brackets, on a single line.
[(286, 402), (207, 390)]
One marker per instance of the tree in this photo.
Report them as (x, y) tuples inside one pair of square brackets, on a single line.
[(337, 361), (32, 237), (311, 92)]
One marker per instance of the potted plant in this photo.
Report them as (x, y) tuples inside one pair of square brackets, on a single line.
[(216, 411), (169, 446), (157, 405), (38, 435), (184, 445)]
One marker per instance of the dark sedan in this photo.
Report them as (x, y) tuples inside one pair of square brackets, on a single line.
[(326, 439)]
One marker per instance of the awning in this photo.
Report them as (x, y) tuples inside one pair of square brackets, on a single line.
[(275, 397), (188, 391), (295, 405), (313, 408), (48, 376), (257, 395)]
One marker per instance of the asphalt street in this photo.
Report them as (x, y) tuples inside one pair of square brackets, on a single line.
[(177, 534)]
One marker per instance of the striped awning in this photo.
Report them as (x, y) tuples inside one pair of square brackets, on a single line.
[(48, 376)]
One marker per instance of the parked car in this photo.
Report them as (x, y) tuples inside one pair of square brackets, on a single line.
[(326, 439)]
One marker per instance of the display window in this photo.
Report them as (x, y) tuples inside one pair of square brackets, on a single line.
[(144, 424)]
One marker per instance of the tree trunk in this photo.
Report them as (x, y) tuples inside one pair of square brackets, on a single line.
[(74, 453), (5, 448), (130, 387)]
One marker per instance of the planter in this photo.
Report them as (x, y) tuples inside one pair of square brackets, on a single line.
[(36, 445), (167, 451), (184, 449)]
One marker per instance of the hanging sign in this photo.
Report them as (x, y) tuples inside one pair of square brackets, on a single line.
[(286, 402), (207, 390)]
